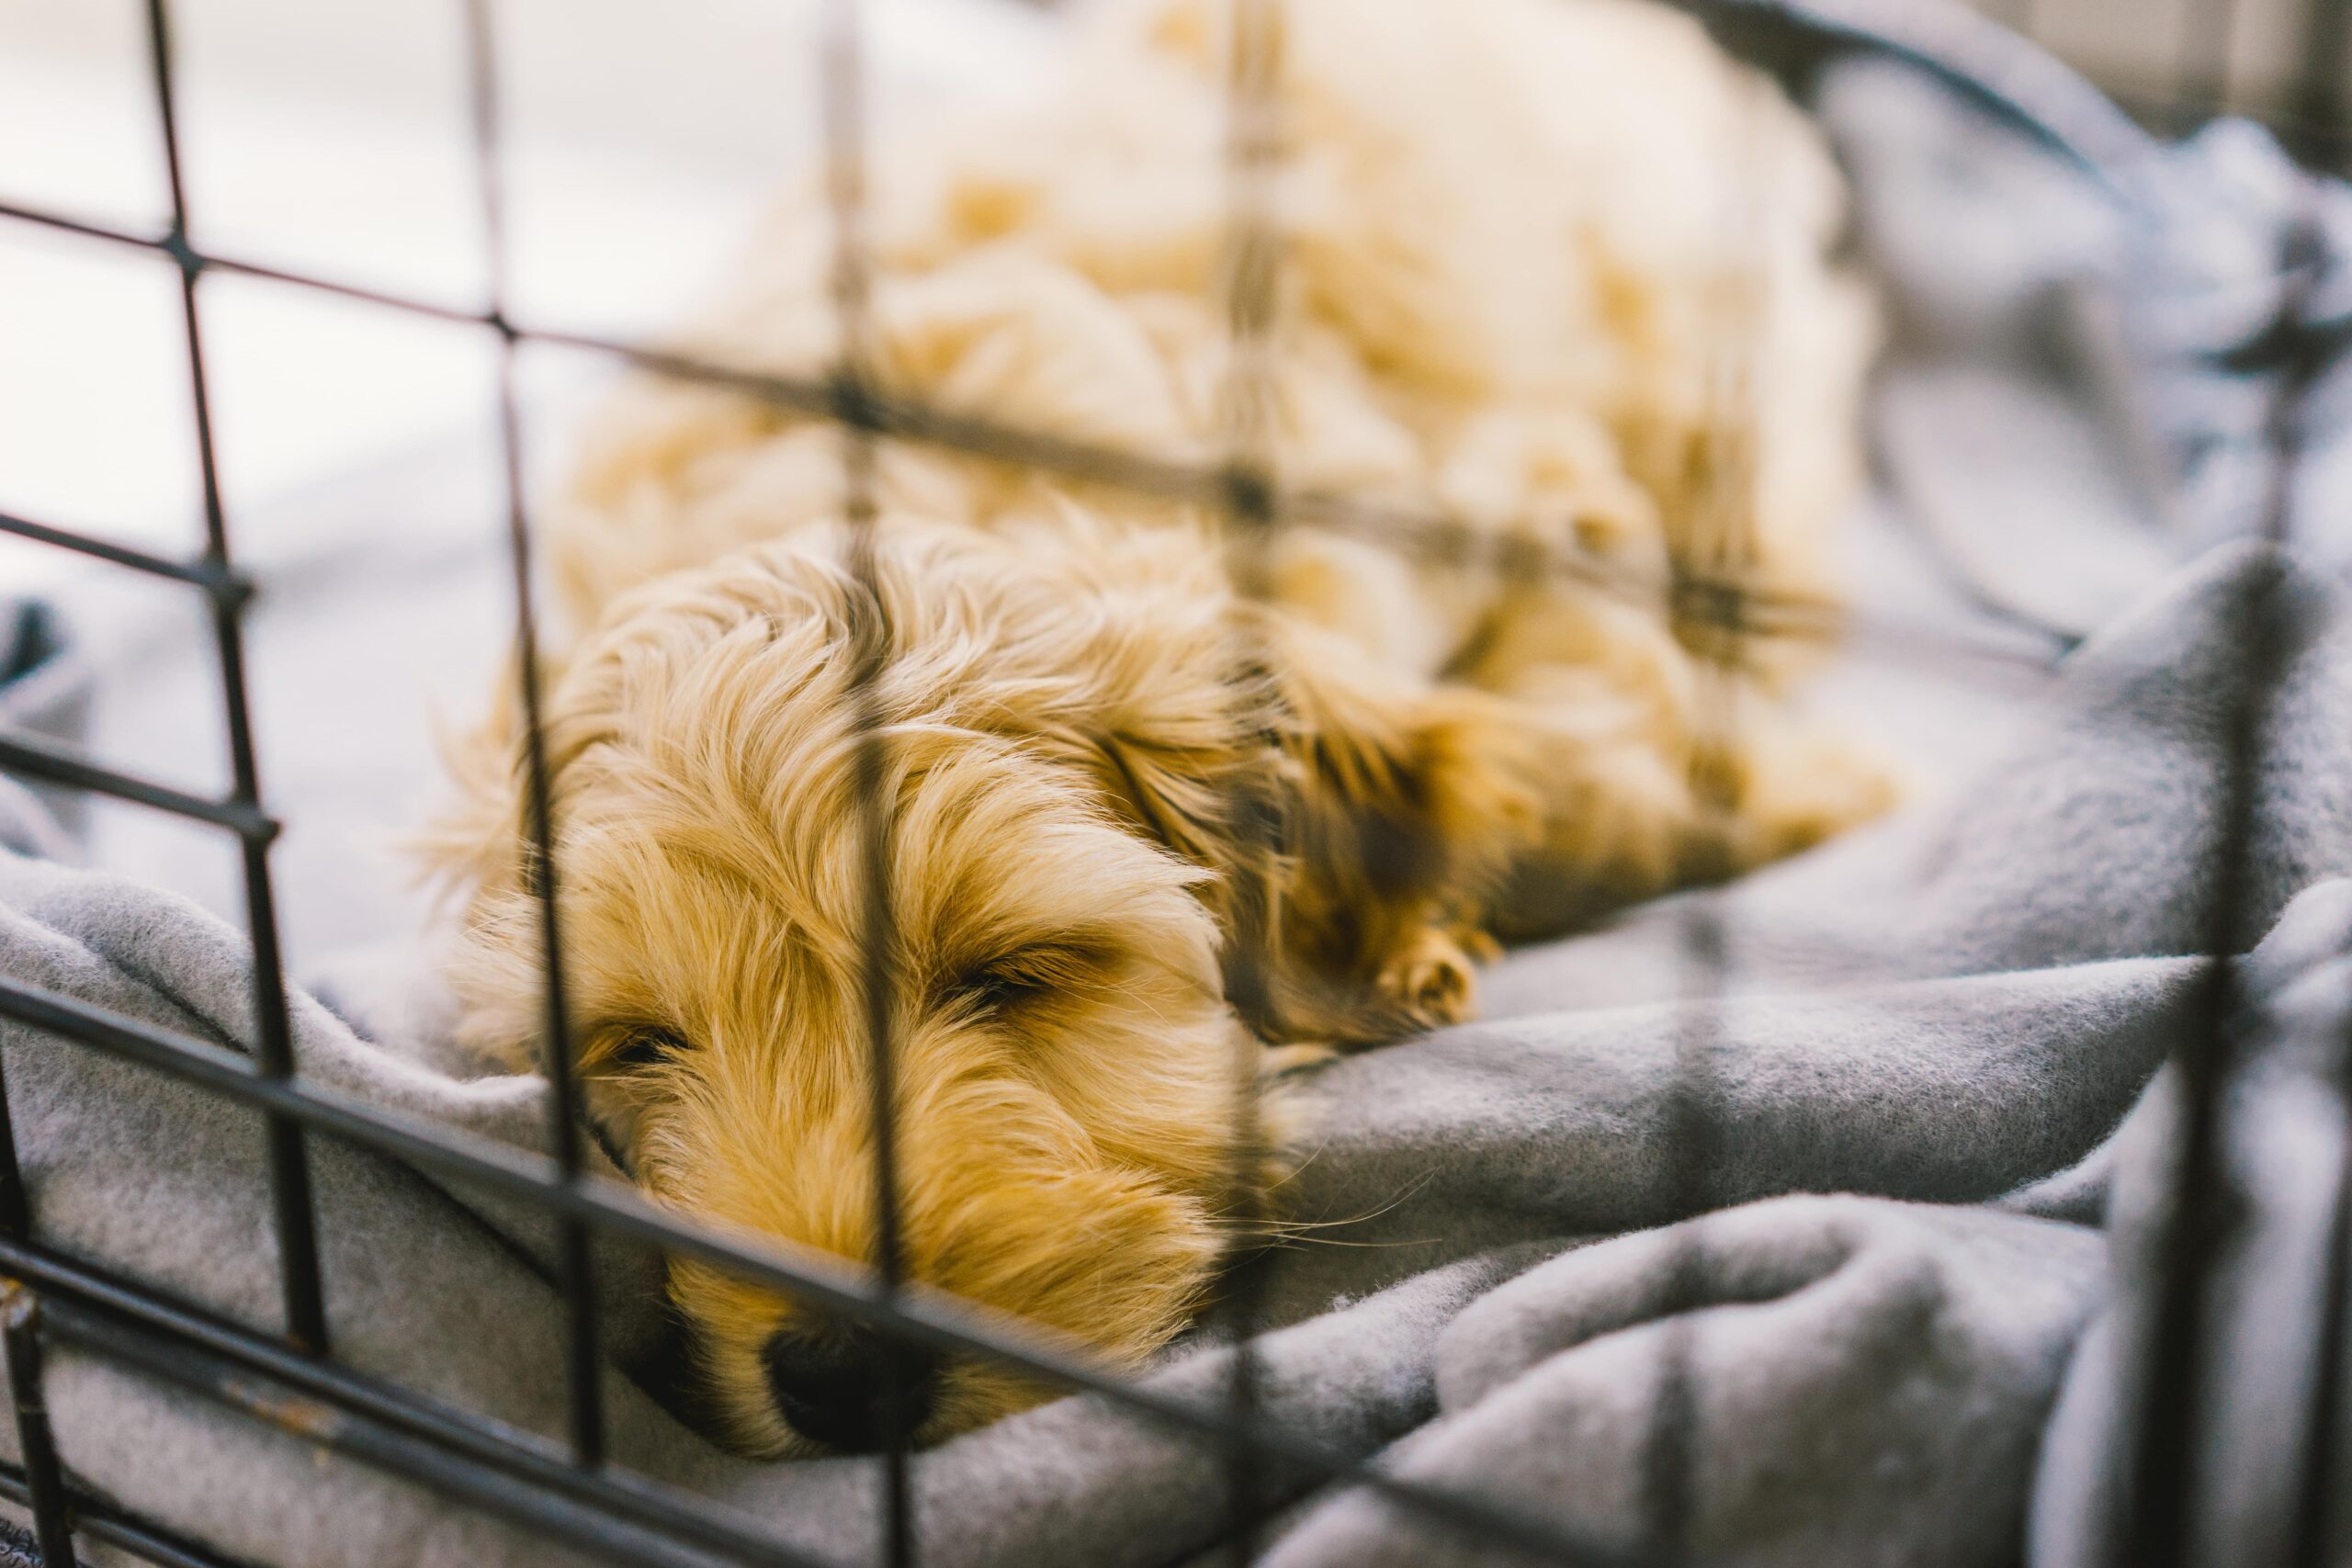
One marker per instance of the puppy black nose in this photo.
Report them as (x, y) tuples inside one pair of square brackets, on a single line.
[(850, 1388)]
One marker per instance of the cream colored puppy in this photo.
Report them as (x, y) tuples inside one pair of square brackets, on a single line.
[(1523, 240)]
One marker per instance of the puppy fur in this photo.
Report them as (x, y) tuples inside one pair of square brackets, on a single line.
[(1509, 275)]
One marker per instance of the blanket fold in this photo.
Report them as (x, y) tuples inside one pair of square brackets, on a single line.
[(1866, 1382)]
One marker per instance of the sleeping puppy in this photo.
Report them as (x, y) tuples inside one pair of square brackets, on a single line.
[(1509, 282)]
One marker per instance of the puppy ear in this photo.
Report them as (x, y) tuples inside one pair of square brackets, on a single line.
[(478, 855), (1132, 667), (1221, 795), (473, 837), (481, 839), (1350, 817)]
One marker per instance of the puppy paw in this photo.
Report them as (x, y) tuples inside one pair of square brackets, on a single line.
[(1430, 980)]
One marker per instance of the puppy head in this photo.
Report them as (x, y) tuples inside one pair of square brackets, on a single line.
[(1062, 1049)]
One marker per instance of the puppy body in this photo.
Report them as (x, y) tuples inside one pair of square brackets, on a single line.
[(1517, 231)]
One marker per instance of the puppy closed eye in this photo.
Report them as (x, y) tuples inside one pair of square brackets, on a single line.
[(647, 1047), (1027, 975)]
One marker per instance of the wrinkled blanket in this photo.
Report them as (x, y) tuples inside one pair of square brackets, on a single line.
[(1932, 1061)]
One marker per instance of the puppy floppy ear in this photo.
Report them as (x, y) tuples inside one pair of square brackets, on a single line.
[(480, 841), (1347, 814), (1126, 658), (473, 841), (480, 854)]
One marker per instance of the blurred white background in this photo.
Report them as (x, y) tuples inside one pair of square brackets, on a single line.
[(331, 137), (2241, 53)]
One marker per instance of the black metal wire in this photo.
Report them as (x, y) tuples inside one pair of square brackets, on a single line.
[(50, 763), (2164, 1470), (2201, 68), (426, 1462), (570, 1491), (1669, 1495), (1719, 546), (925, 1320), (1425, 530), (2323, 102), (870, 637), (583, 1362), (16, 1207), (1248, 281), (44, 1494), (289, 1173), (2319, 110), (542, 1474), (20, 1315), (97, 1520), (207, 574), (2318, 1509)]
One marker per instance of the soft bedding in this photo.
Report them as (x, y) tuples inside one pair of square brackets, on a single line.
[(1932, 1074)]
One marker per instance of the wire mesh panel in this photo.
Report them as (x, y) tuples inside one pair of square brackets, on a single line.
[(1711, 593)]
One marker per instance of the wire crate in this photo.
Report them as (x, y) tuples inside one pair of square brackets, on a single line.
[(568, 1490)]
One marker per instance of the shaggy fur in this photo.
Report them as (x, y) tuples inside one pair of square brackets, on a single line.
[(1511, 229)]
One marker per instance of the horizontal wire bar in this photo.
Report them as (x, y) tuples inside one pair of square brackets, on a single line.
[(431, 1460), (842, 130), (103, 1522), (865, 408), (301, 1295), (2164, 1450), (520, 1455), (20, 1324), (83, 228), (920, 1316), (205, 574), (1248, 286), (1762, 611), (53, 764), (200, 260), (583, 1363)]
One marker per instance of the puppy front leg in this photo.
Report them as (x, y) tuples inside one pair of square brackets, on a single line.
[(1412, 802), (1625, 816)]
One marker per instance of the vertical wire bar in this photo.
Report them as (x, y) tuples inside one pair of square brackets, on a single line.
[(16, 1204), (36, 1450), (2164, 1474), (2316, 1505), (1251, 272), (290, 1171), (2324, 103), (2321, 108), (1713, 570), (36, 1443), (583, 1382), (844, 132), (2201, 70)]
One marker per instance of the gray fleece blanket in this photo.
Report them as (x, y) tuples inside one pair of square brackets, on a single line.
[(1940, 1022), (1932, 1071)]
